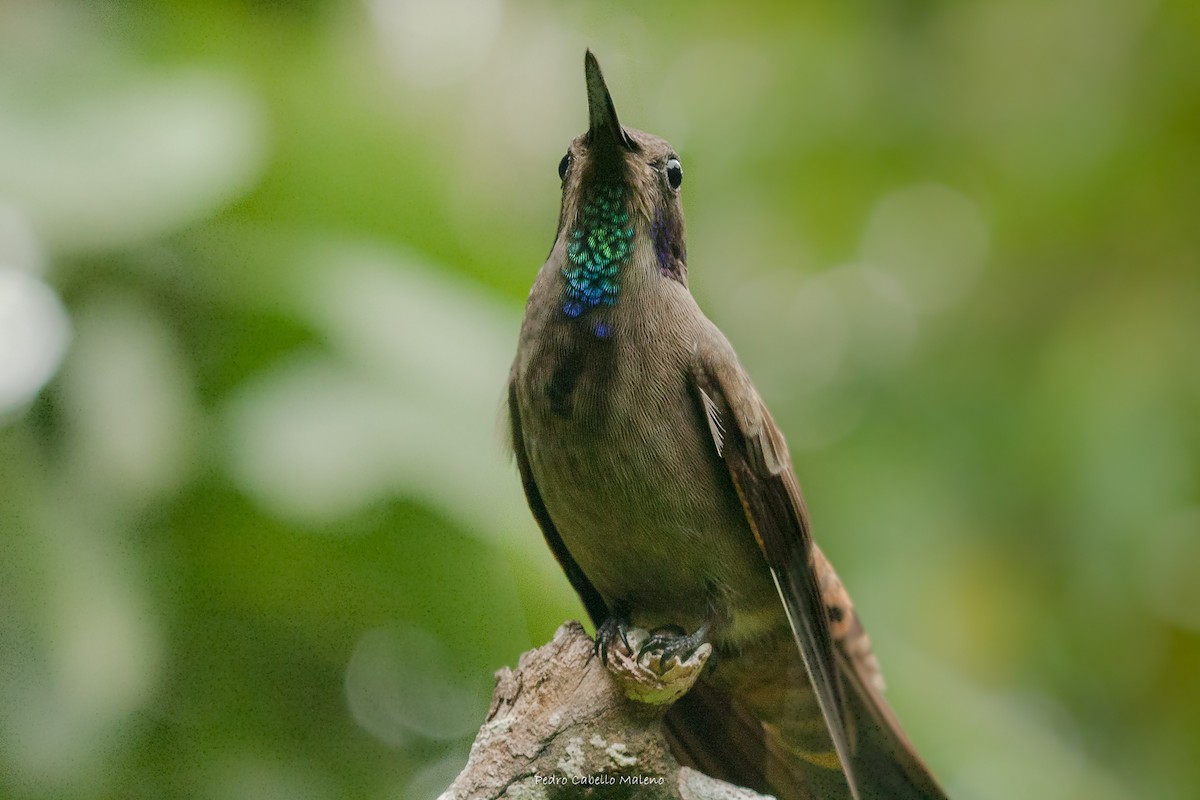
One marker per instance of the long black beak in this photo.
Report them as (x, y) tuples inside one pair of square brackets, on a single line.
[(603, 126)]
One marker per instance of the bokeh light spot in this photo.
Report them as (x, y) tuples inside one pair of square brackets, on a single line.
[(933, 239)]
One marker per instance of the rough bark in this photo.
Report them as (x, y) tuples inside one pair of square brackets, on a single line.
[(560, 726)]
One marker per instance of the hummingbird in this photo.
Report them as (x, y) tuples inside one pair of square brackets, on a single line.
[(666, 492)]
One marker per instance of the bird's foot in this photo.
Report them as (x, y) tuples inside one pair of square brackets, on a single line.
[(613, 632), (670, 644), (653, 667)]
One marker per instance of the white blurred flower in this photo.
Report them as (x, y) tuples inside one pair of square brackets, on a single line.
[(121, 165), (34, 333)]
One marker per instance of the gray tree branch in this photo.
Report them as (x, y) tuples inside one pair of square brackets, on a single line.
[(560, 726)]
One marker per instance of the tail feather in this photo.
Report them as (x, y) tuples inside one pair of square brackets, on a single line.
[(755, 722), (711, 731), (884, 758)]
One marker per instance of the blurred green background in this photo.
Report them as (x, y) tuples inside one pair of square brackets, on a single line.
[(262, 267)]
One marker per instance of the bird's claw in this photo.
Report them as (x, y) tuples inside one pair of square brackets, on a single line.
[(669, 643), (615, 628), (656, 667)]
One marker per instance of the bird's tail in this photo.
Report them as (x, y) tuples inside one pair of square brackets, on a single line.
[(756, 723)]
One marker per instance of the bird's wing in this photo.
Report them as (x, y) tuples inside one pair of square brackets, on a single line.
[(753, 450), (876, 757), (592, 601)]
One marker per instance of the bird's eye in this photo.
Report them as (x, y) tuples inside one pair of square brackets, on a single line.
[(674, 172), (562, 167)]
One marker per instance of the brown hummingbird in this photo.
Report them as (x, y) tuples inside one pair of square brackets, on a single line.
[(666, 492)]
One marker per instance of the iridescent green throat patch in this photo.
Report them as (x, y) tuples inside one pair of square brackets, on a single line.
[(598, 245)]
